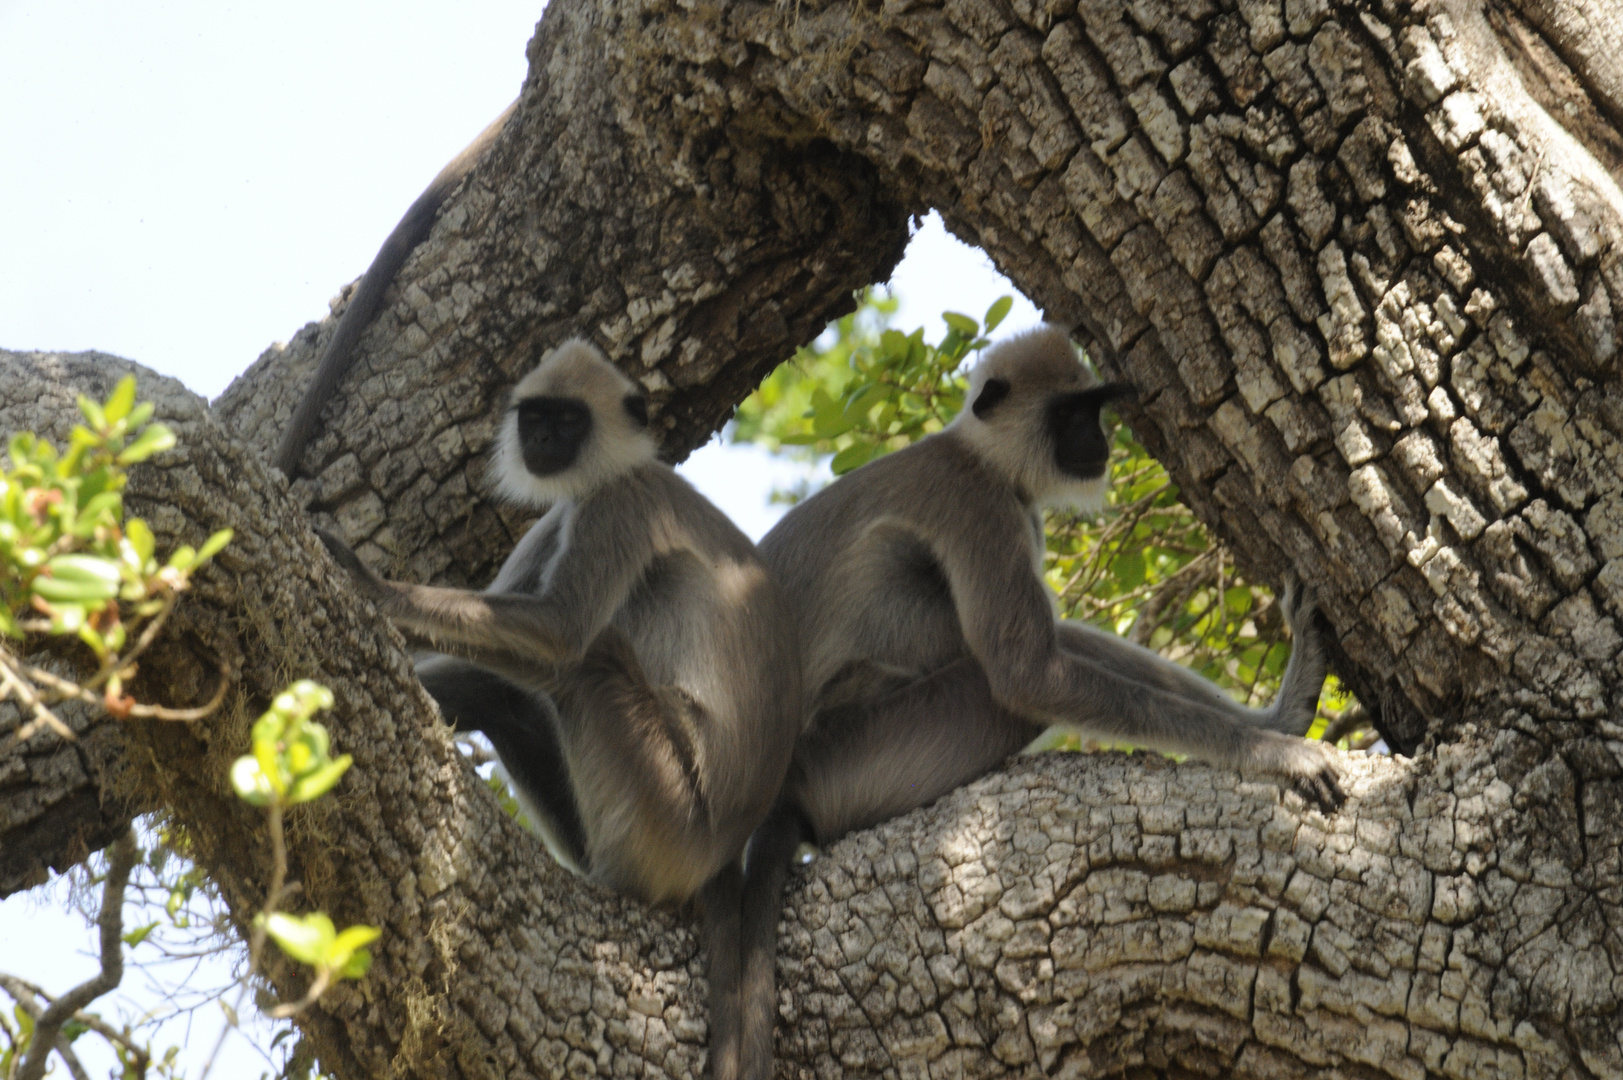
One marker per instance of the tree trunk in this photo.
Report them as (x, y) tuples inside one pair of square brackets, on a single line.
[(1362, 264)]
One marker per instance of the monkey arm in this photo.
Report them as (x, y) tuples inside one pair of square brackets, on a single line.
[(488, 625)]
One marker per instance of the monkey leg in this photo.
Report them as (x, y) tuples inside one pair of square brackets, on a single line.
[(523, 727), (863, 763), (637, 756), (1294, 706)]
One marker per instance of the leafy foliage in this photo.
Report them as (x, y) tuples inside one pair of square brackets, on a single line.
[(1146, 569), (864, 389), (292, 763), (70, 564), (73, 566)]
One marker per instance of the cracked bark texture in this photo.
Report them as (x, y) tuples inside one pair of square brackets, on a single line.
[(1362, 262)]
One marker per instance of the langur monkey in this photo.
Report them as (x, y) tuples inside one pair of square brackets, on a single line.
[(633, 663), (367, 299), (931, 648)]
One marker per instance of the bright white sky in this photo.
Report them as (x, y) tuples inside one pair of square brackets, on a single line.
[(186, 181)]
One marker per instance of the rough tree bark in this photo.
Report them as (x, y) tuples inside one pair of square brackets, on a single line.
[(1362, 261)]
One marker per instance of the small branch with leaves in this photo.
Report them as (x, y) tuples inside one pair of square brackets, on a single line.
[(72, 565), (292, 763)]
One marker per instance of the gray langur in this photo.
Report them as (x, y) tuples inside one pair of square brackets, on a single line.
[(364, 302), (633, 663), (931, 647)]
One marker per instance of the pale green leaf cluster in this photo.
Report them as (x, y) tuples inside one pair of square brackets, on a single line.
[(69, 561), (291, 761), (312, 939), (864, 389)]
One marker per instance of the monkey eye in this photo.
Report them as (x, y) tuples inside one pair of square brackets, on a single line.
[(636, 407), (993, 392)]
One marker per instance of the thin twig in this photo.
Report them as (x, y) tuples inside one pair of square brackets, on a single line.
[(48, 1026), (149, 633), (1256, 676), (12, 684), (1346, 724), (25, 993), (256, 938), (317, 988), (1176, 586), (70, 690)]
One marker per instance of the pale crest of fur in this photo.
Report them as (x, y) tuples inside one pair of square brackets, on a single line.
[(1038, 365), (615, 446)]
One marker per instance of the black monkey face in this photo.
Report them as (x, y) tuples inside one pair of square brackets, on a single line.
[(551, 431), (1081, 448)]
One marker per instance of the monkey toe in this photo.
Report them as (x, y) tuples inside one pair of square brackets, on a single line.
[(1321, 789)]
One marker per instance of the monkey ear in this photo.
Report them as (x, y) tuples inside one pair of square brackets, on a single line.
[(636, 407), (993, 392)]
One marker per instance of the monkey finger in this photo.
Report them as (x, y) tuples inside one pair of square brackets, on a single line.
[(1322, 790)]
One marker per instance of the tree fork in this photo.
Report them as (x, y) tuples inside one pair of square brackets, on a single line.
[(1366, 283)]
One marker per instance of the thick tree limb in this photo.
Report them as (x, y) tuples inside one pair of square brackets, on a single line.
[(1366, 282)]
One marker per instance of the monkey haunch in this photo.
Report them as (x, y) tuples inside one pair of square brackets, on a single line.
[(931, 648), (633, 663)]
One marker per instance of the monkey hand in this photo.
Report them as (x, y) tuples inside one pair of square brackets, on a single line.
[(1311, 768), (362, 577)]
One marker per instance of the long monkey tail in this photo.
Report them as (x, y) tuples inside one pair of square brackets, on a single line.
[(411, 230), (766, 869)]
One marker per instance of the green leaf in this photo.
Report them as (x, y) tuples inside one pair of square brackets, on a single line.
[(154, 439), (347, 957), (966, 326), (358, 964), (213, 545), (265, 756), (355, 936), (857, 409), (851, 457), (97, 511), (77, 579), (93, 413), (305, 938), (139, 535), (138, 935), (828, 417), (183, 557), (1128, 570), (318, 782), (996, 313), (119, 405)]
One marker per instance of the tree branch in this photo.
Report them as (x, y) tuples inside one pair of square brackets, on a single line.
[(121, 858)]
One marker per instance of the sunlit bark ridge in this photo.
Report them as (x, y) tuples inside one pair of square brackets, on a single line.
[(1362, 263)]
